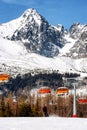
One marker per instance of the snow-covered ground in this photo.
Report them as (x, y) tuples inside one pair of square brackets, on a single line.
[(14, 56), (43, 123), (15, 59)]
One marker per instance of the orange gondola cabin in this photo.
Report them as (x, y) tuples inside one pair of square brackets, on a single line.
[(4, 77), (82, 101), (62, 91), (44, 90)]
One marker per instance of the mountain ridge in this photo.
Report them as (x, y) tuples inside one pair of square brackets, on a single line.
[(36, 33)]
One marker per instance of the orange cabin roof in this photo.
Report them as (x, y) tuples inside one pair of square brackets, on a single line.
[(4, 77), (44, 90), (62, 90), (82, 101)]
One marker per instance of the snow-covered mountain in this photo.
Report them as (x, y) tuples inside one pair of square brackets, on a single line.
[(30, 43), (36, 33), (79, 32)]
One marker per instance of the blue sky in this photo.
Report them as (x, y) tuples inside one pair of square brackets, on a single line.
[(65, 12)]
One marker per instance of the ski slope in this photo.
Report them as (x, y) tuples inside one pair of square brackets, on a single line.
[(43, 123)]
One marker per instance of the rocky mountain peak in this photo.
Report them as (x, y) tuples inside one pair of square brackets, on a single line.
[(78, 32), (29, 11), (60, 27), (31, 15), (38, 35), (77, 29)]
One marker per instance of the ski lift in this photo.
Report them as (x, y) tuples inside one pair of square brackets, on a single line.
[(44, 90), (83, 98), (82, 101), (4, 77), (62, 91)]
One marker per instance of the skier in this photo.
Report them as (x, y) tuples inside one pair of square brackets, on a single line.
[(45, 112)]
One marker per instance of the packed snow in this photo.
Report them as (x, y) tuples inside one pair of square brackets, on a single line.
[(43, 123)]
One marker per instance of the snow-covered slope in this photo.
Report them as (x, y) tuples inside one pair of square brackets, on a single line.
[(11, 48), (15, 59), (45, 123)]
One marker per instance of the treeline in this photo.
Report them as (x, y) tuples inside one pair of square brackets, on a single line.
[(9, 108), (32, 106), (30, 80), (21, 82)]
